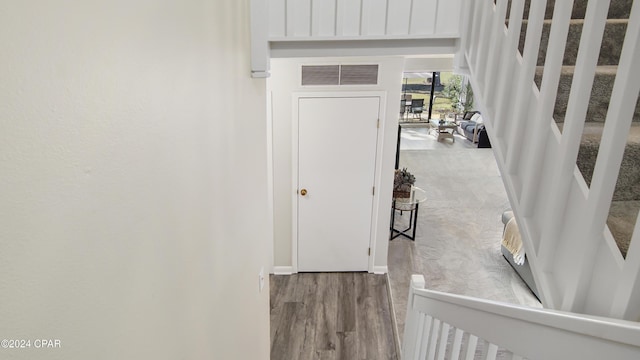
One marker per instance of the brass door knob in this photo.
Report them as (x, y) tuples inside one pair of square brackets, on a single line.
[(303, 192)]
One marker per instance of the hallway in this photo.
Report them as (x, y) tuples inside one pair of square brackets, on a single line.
[(457, 249), (331, 316), (457, 246)]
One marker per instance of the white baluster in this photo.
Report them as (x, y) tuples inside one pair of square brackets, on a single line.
[(491, 351), (444, 336), (544, 112), (457, 343), (563, 169), (472, 344), (524, 82), (426, 335), (618, 121), (493, 60), (433, 343), (508, 53)]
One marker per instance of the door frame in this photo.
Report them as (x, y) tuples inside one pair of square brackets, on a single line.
[(296, 96)]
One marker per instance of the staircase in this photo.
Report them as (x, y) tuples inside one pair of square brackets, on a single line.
[(558, 84), (626, 198), (447, 326)]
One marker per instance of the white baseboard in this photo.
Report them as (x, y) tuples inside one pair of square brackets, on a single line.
[(288, 270), (394, 320), (283, 270), (380, 270)]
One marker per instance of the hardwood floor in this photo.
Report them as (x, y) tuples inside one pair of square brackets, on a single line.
[(331, 316)]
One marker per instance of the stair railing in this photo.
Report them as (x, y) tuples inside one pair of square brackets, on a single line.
[(447, 326), (574, 259)]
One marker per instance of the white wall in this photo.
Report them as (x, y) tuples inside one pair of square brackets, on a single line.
[(133, 196), (285, 79), (368, 19), (429, 63)]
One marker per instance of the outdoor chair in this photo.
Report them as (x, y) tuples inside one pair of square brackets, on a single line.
[(405, 104), (417, 106)]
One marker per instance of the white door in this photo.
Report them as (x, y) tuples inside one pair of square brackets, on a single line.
[(337, 139)]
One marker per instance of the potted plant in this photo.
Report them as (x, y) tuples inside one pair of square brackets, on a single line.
[(402, 183)]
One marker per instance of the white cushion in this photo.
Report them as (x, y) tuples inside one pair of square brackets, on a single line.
[(477, 118)]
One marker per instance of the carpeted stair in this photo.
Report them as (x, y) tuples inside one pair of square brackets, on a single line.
[(626, 200)]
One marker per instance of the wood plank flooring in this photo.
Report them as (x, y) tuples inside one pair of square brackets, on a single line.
[(331, 316)]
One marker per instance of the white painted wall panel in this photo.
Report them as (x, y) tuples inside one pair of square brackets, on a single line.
[(348, 17), (367, 18), (374, 17), (398, 17), (299, 18), (448, 17), (423, 17), (277, 18), (124, 219), (323, 18), (422, 64)]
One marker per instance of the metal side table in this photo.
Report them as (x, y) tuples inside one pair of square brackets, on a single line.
[(410, 204)]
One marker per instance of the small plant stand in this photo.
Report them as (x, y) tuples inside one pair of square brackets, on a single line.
[(411, 205)]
